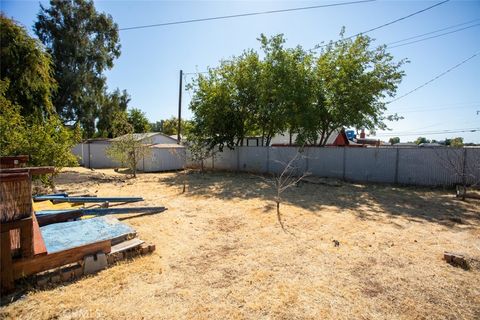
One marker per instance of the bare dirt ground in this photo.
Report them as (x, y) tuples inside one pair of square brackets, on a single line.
[(221, 253)]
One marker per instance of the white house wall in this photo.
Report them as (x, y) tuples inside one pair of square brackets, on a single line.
[(160, 139), (163, 159)]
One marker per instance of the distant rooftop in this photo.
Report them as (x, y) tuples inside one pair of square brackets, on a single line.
[(142, 136)]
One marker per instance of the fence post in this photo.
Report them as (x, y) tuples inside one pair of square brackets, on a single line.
[(238, 158), (89, 157), (344, 161), (464, 166), (307, 164), (397, 157), (268, 158)]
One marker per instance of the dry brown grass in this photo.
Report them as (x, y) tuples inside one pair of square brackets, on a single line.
[(221, 254)]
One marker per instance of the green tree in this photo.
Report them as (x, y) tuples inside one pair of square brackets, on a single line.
[(120, 124), (26, 70), (138, 120), (83, 44), (113, 104), (156, 126), (215, 119), (170, 126), (456, 142), (50, 143), (45, 139), (394, 140), (291, 90), (285, 88), (421, 140), (352, 81), (128, 150), (12, 124)]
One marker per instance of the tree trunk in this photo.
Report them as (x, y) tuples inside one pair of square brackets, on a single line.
[(184, 184)]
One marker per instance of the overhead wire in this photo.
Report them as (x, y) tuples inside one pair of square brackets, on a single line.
[(411, 133), (434, 31), (434, 109), (435, 78), (432, 37), (245, 15), (387, 24), (371, 29)]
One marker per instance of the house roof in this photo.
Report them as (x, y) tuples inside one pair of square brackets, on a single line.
[(167, 146), (333, 136), (146, 135)]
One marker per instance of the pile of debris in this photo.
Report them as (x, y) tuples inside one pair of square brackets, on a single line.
[(58, 237)]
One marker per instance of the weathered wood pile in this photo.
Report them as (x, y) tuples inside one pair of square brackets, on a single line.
[(60, 243)]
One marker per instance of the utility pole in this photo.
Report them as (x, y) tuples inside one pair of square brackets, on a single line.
[(179, 128)]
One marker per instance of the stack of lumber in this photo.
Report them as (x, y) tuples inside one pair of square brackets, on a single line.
[(56, 238), (18, 226)]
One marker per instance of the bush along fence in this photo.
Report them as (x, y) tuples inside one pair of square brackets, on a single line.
[(405, 166)]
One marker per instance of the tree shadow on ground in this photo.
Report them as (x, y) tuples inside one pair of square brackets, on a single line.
[(67, 176), (367, 201)]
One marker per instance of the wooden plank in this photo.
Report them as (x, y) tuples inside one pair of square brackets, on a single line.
[(19, 176), (88, 199), (49, 205), (17, 224), (30, 170), (63, 216), (26, 239), (63, 236), (123, 237), (126, 245), (6, 271), (26, 267), (102, 211), (39, 247), (15, 197), (12, 161)]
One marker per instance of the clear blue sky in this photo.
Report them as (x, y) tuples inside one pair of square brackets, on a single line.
[(151, 58)]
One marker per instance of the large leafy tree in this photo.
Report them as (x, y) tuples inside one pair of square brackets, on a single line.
[(351, 84), (421, 140), (170, 126), (28, 122), (83, 44), (113, 104), (26, 70), (45, 139), (213, 107), (291, 90), (285, 88), (138, 120)]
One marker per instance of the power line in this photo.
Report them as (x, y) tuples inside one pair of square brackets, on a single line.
[(435, 31), (389, 23), (444, 105), (245, 15), (420, 130), (428, 132), (435, 36), (435, 78), (357, 34), (436, 109), (402, 18), (192, 73)]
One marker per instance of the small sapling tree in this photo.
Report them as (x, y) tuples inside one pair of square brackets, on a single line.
[(466, 169), (128, 150), (290, 176), (181, 155)]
